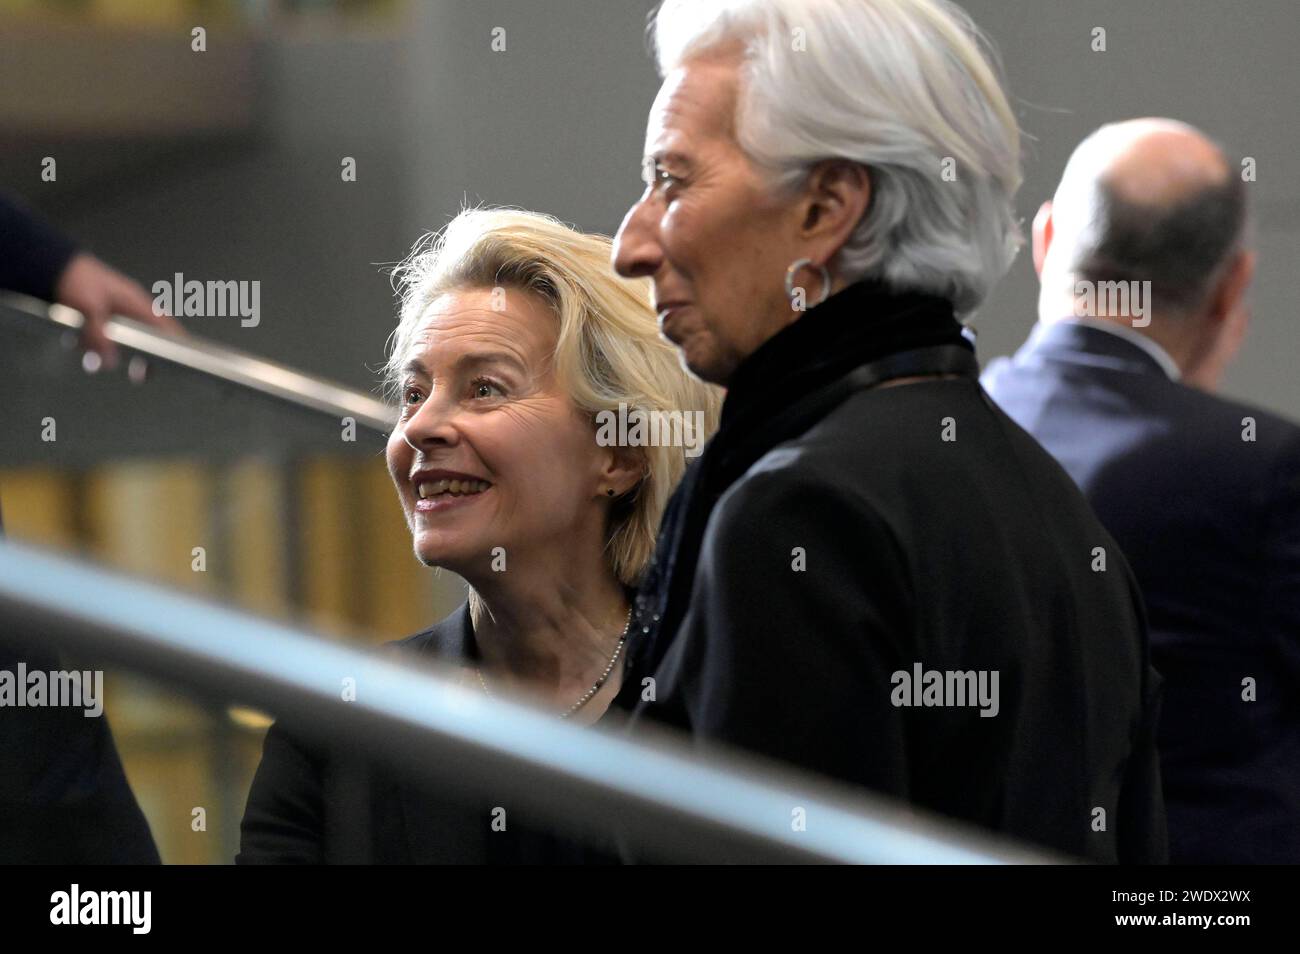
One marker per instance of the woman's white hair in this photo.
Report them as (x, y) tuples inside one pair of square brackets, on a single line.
[(908, 88)]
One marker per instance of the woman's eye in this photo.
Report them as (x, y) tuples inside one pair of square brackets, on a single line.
[(666, 181), (483, 388), (411, 396), (655, 175)]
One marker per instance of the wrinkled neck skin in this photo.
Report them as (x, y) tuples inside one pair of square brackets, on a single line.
[(548, 625)]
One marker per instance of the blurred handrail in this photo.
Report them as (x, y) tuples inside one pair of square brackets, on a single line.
[(226, 364), (657, 793)]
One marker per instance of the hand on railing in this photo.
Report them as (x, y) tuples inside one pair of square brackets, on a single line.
[(99, 292), (152, 338)]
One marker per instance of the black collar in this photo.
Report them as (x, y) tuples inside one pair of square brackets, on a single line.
[(450, 640), (860, 323)]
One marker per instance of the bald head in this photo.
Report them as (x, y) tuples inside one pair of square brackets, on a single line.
[(1148, 200), (1153, 162), (1152, 213)]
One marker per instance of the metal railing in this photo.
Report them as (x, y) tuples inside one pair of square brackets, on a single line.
[(660, 795), (223, 363)]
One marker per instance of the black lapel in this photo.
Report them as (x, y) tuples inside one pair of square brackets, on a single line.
[(437, 830)]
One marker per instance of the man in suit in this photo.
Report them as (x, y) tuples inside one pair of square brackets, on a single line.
[(1144, 265), (871, 572)]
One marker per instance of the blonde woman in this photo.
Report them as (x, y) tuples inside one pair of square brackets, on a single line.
[(543, 424)]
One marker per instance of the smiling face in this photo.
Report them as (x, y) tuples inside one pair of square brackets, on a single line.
[(490, 450), (708, 230)]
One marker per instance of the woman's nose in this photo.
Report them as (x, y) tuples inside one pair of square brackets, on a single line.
[(636, 246), (431, 425)]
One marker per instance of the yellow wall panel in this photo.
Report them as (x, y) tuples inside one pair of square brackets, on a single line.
[(147, 518), (254, 490), (39, 507)]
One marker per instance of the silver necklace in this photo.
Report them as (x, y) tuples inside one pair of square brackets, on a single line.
[(604, 677)]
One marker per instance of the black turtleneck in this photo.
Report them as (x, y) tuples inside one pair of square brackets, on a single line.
[(860, 323)]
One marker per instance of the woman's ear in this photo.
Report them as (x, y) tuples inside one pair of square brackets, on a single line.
[(836, 198), (622, 470)]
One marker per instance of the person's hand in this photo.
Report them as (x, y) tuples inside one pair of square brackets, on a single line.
[(99, 292)]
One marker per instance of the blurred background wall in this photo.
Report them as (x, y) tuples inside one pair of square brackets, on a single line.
[(226, 165)]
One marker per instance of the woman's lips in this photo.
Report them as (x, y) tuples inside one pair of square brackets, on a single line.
[(666, 316), (444, 502)]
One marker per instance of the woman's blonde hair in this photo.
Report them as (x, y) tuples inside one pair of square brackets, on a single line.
[(608, 350)]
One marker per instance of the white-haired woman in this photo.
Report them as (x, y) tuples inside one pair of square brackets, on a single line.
[(516, 350), (829, 191)]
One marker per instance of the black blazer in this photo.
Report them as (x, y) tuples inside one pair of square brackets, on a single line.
[(842, 540), (1211, 525), (64, 798), (311, 805)]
